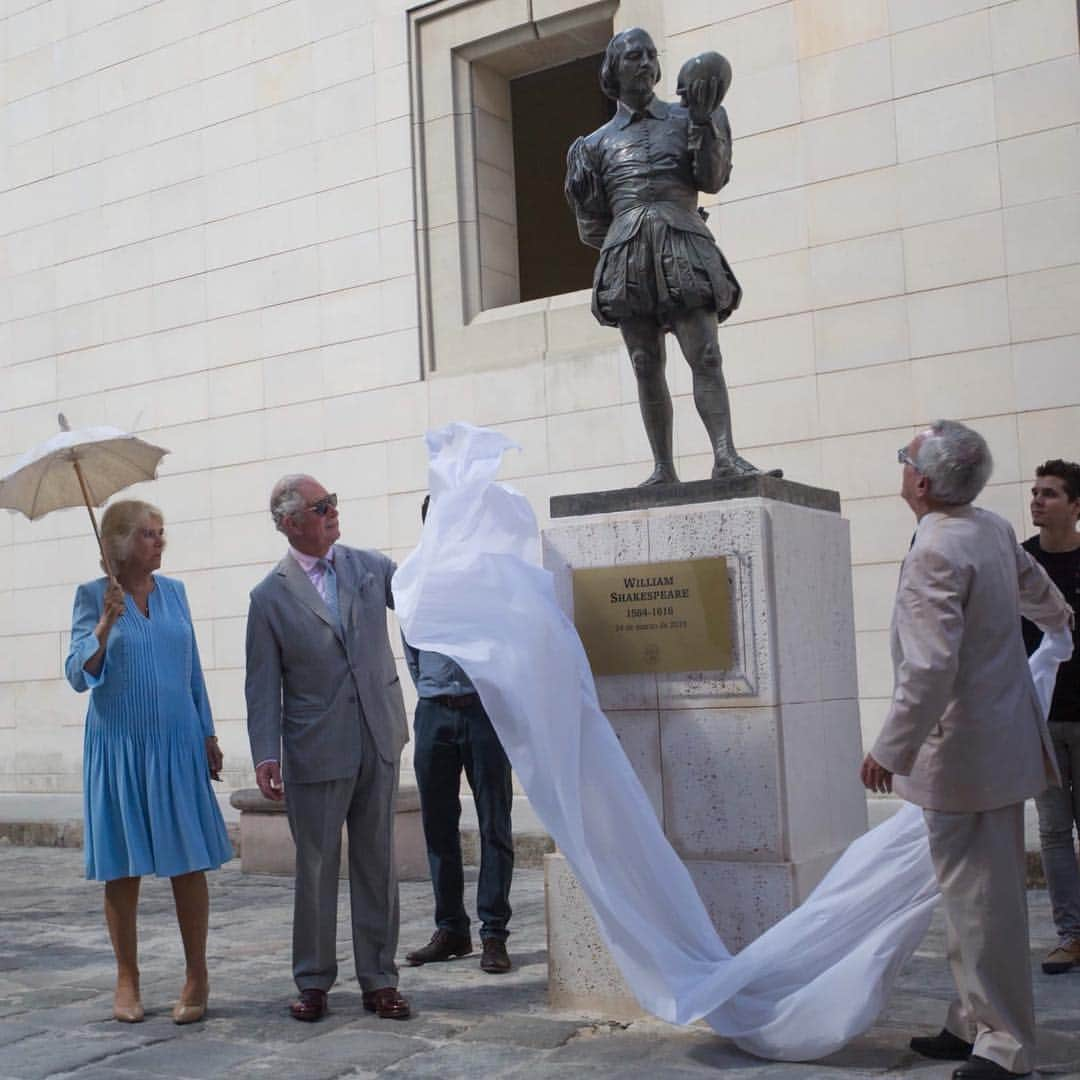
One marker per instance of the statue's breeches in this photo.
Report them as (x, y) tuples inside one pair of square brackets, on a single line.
[(660, 270)]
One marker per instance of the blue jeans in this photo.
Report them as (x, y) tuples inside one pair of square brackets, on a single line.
[(447, 741), (1059, 809)]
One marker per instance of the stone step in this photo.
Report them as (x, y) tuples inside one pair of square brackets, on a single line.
[(55, 820), (531, 841)]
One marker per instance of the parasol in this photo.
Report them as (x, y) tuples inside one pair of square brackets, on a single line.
[(78, 468)]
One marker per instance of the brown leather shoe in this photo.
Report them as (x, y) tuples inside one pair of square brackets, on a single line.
[(387, 1004), (1063, 958), (312, 1005), (495, 960), (443, 945)]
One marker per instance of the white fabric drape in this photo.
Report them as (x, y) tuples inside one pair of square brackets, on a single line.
[(474, 590)]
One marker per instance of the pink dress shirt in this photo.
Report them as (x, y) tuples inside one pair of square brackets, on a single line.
[(312, 566)]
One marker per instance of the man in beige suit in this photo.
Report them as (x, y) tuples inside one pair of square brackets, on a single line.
[(967, 741)]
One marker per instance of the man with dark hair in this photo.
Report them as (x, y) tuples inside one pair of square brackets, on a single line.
[(453, 732), (1055, 509), (966, 739)]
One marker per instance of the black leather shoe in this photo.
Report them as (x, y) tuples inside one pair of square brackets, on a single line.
[(495, 960), (979, 1068), (442, 946), (943, 1047)]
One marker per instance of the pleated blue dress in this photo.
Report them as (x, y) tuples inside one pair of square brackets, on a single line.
[(147, 801)]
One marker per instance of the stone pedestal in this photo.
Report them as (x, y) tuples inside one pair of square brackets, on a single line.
[(753, 771), (266, 843)]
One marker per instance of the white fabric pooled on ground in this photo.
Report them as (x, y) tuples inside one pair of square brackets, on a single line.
[(474, 591)]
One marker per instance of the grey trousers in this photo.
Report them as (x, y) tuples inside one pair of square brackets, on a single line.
[(365, 803), (1059, 811), (979, 862)]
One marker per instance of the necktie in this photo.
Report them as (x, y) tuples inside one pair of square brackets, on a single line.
[(331, 590)]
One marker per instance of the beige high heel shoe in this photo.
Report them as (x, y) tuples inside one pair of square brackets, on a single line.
[(128, 1014), (189, 1012)]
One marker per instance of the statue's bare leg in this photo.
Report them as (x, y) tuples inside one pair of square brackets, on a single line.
[(645, 344), (696, 332)]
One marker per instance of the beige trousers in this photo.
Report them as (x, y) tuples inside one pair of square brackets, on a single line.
[(979, 862)]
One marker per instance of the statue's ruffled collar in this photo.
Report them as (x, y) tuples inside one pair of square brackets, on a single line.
[(656, 108)]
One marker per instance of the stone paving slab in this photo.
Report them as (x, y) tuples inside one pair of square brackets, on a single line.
[(56, 980)]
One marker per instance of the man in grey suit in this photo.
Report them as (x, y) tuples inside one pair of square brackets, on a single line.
[(325, 712), (966, 739)]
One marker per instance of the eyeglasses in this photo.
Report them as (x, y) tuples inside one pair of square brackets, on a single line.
[(152, 534), (904, 458), (323, 506)]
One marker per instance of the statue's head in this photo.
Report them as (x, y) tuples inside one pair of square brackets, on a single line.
[(630, 61)]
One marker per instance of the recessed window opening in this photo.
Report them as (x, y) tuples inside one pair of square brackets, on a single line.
[(530, 101), (550, 109)]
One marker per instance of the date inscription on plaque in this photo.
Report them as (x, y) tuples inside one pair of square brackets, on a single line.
[(654, 617)]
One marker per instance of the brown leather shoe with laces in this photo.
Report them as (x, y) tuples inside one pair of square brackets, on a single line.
[(312, 1005), (387, 1004), (443, 946), (1063, 958), (495, 960)]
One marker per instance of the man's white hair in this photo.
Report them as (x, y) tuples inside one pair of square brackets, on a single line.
[(285, 498), (956, 461)]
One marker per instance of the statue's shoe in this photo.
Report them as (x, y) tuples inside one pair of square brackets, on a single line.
[(662, 474), (739, 466)]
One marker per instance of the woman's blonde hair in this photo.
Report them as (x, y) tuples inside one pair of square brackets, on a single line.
[(120, 523)]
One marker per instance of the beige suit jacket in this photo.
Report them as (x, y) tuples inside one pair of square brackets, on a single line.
[(965, 731)]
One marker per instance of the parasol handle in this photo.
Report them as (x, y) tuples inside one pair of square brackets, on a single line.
[(93, 520)]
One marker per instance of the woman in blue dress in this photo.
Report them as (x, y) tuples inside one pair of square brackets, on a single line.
[(150, 751)]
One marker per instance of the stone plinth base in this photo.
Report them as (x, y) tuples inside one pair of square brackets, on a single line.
[(581, 972), (266, 844), (760, 485), (752, 771)]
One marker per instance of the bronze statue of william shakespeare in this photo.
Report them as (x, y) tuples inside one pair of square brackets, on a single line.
[(633, 185)]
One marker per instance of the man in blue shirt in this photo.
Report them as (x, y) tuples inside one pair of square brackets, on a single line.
[(453, 732)]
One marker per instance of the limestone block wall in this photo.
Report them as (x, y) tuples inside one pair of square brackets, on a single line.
[(208, 234), (207, 237)]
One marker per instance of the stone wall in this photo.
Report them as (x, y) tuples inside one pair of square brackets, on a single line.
[(208, 234)]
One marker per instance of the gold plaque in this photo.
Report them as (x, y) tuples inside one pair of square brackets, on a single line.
[(668, 617)]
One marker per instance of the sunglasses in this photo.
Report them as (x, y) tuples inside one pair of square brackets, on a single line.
[(323, 506)]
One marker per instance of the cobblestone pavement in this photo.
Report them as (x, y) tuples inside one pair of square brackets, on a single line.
[(56, 995)]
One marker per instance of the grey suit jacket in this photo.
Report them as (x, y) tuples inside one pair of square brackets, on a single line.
[(965, 731), (310, 684)]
